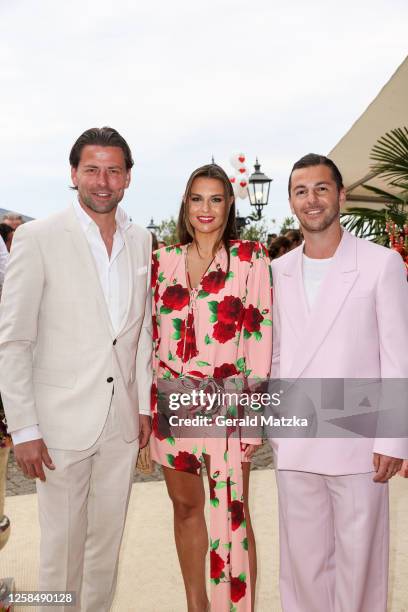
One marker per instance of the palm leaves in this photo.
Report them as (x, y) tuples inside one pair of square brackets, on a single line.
[(390, 157)]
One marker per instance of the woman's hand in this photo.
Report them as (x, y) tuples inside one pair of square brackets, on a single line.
[(251, 450)]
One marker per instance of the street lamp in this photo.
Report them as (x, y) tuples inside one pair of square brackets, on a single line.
[(258, 190), (152, 226), (258, 193)]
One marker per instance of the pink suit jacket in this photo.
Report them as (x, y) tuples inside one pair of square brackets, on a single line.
[(357, 328)]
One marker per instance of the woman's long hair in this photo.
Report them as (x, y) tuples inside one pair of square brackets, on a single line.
[(185, 231)]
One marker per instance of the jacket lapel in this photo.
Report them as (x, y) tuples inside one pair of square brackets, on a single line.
[(87, 264), (334, 290), (293, 295)]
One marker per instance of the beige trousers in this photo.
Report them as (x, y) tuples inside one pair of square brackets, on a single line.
[(82, 510)]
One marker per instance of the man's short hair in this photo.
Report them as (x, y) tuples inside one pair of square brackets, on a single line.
[(312, 159), (104, 137), (11, 216), (5, 230)]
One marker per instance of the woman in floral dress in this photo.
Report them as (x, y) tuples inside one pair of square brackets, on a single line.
[(211, 320)]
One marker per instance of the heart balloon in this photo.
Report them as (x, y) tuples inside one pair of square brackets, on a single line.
[(242, 170), (243, 184), (237, 159), (235, 185)]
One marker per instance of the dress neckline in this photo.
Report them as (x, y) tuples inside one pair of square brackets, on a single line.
[(188, 280)]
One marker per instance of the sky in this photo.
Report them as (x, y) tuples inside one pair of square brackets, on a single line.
[(183, 81)]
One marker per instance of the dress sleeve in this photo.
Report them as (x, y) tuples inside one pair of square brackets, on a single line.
[(256, 333)]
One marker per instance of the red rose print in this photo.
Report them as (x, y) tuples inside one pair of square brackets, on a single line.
[(252, 319), (186, 346), (155, 328), (187, 462), (217, 564), (153, 396), (237, 514), (155, 269), (238, 588), (175, 297), (225, 370), (180, 343), (197, 373), (229, 310), (214, 281), (156, 294), (190, 346), (229, 491), (223, 332), (213, 483), (245, 251)]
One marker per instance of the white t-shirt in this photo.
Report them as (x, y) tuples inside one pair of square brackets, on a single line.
[(314, 272)]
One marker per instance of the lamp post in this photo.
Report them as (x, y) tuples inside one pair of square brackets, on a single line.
[(152, 227), (258, 193)]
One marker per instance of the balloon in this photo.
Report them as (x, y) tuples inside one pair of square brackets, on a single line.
[(242, 192), (237, 160), (235, 185)]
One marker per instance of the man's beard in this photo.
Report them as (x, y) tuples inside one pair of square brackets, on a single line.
[(103, 210), (323, 225)]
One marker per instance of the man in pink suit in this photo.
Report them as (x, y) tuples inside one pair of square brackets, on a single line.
[(340, 311)]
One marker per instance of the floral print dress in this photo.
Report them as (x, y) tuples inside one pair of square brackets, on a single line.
[(221, 329)]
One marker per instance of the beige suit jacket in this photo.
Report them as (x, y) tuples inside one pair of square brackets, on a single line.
[(60, 359)]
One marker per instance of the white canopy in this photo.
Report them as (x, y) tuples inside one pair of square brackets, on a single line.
[(387, 111)]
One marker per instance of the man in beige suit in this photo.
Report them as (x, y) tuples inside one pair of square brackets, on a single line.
[(75, 371)]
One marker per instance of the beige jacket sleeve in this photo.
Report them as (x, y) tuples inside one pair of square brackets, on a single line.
[(19, 309), (145, 348), (3, 261)]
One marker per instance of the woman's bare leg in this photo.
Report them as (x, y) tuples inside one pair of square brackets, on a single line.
[(246, 467), (186, 491)]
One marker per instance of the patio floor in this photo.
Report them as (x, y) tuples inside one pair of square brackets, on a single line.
[(149, 577)]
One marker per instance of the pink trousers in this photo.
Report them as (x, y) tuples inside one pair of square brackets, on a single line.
[(334, 540)]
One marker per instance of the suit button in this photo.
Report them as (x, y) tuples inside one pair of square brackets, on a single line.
[(110, 379), (114, 342)]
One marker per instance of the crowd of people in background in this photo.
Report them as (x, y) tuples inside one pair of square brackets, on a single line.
[(276, 245), (279, 245), (9, 222)]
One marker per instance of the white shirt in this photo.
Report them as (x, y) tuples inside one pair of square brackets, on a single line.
[(113, 275), (4, 255), (314, 272)]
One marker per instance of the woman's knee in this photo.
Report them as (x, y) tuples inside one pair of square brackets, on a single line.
[(186, 508)]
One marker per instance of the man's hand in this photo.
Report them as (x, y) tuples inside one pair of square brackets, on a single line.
[(385, 466), (145, 429), (31, 456)]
